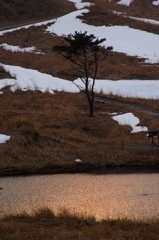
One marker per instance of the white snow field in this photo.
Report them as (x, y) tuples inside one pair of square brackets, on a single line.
[(124, 39), (132, 42), (29, 79)]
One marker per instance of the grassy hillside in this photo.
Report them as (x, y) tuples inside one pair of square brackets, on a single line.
[(50, 131), (17, 12)]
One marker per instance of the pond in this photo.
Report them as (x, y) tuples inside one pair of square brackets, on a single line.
[(109, 195)]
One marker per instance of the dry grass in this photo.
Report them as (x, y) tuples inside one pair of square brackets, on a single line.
[(138, 8), (44, 224), (118, 65), (50, 131), (17, 13)]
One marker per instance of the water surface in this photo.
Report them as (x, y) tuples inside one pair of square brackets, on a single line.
[(111, 195)]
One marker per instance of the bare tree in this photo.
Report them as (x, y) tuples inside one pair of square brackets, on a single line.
[(86, 53)]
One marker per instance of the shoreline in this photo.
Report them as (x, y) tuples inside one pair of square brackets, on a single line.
[(81, 168)]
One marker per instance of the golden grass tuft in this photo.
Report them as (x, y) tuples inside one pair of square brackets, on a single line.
[(44, 224)]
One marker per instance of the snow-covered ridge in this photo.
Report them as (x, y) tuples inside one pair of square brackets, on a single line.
[(144, 44), (29, 79)]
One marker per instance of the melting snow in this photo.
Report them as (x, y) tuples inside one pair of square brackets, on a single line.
[(125, 2), (18, 49), (146, 89), (131, 120), (79, 4), (28, 79), (124, 39), (144, 44), (156, 2), (4, 138)]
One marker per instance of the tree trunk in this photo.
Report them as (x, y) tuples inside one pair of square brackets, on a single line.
[(91, 108), (90, 97)]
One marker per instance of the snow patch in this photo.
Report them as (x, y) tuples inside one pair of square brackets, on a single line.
[(144, 44), (125, 2), (79, 4), (28, 79), (156, 3), (18, 49), (4, 138), (131, 120)]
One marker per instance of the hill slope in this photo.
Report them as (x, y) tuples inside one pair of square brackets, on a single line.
[(15, 11), (48, 132)]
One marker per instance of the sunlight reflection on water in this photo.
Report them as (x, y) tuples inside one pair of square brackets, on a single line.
[(122, 195)]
